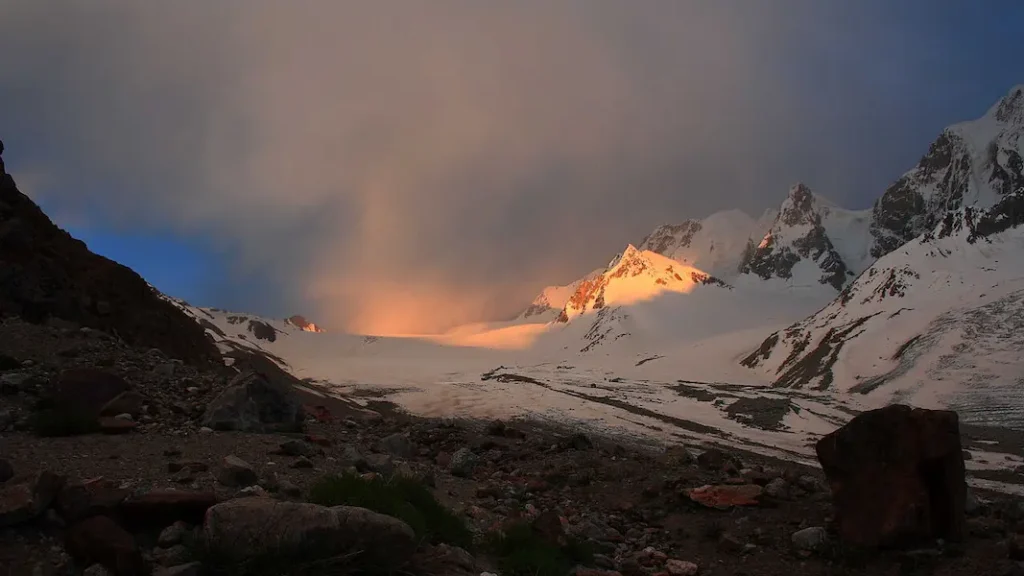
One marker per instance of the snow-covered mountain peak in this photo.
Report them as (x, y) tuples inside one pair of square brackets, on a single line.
[(812, 241), (1010, 108), (634, 276)]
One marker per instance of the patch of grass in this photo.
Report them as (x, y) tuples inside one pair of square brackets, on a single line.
[(401, 497), (64, 421), (521, 551)]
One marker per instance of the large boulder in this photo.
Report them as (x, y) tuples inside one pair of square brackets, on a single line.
[(253, 402), (248, 528), (897, 477), (87, 389)]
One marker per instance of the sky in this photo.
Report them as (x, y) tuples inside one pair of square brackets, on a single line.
[(406, 166)]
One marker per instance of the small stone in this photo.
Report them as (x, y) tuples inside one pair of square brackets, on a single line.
[(124, 416), (190, 569), (96, 570), (172, 535), (205, 430), (778, 489), (296, 448), (398, 445), (810, 539), (174, 556), (463, 462), (303, 463), (183, 476), (680, 567), (236, 472), (381, 464)]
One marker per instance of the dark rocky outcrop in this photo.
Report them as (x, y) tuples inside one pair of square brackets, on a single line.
[(46, 273), (897, 477)]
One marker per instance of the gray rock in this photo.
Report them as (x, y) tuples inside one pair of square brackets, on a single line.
[(810, 539), (297, 448), (190, 569), (254, 403), (778, 489), (96, 570), (165, 370), (398, 445), (381, 464), (238, 528), (350, 456), (174, 556), (810, 484), (463, 462), (172, 535), (236, 472), (302, 462)]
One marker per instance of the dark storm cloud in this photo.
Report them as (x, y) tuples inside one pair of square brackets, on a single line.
[(402, 166)]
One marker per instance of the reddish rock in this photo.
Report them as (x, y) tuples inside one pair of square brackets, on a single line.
[(727, 496), (161, 508), (318, 440), (100, 540), (897, 477), (23, 498), (93, 497)]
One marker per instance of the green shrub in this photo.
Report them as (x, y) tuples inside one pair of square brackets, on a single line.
[(64, 421), (401, 497), (521, 551)]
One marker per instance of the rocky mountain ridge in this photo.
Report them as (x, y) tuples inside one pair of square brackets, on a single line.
[(809, 241), (46, 275)]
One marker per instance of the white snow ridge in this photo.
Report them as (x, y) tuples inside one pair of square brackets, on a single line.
[(762, 332)]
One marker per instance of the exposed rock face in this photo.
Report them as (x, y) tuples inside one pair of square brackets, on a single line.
[(798, 234), (971, 164), (45, 273), (897, 476), (255, 403)]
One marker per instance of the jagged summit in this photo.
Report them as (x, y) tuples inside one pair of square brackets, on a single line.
[(634, 275), (1010, 108), (301, 323), (800, 248), (974, 163)]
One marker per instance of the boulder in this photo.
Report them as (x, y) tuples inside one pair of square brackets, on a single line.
[(897, 477), (88, 389), (96, 496), (236, 472), (159, 508), (102, 541), (245, 528), (254, 403), (726, 496), (23, 498)]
